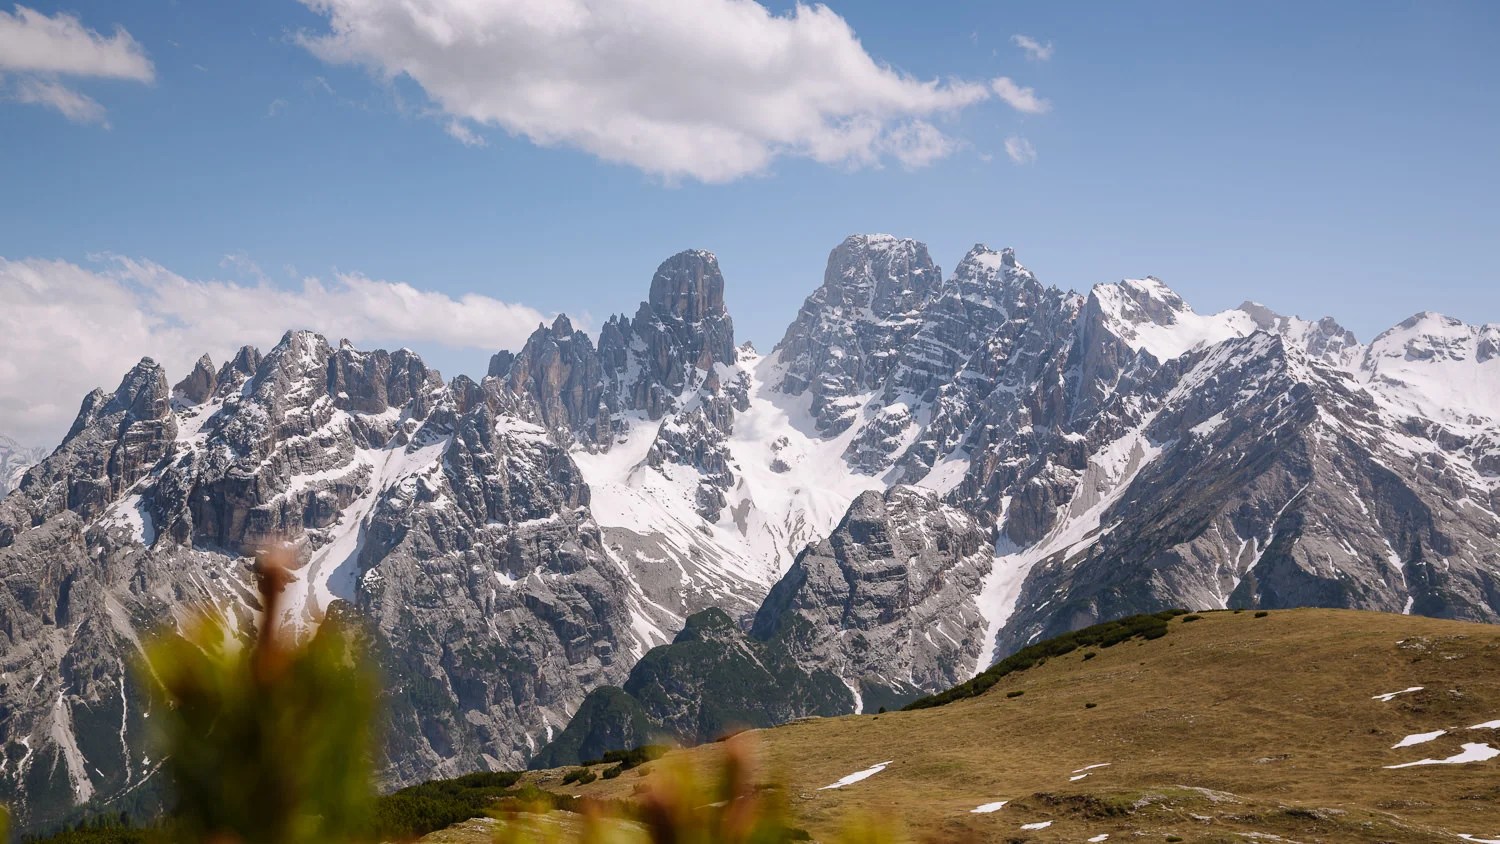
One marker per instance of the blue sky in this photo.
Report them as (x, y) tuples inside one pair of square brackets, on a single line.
[(1326, 158)]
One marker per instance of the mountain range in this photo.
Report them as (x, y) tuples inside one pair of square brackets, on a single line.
[(660, 531)]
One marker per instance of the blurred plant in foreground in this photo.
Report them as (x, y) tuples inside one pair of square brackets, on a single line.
[(676, 804), (269, 744)]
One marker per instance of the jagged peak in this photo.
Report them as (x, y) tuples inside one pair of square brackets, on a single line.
[(1324, 338), (562, 325), (688, 285), (143, 392), (988, 268), (199, 383), (982, 255)]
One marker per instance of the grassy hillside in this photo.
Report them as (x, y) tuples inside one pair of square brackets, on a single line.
[(1232, 725)]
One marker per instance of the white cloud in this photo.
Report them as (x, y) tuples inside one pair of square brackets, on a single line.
[(463, 134), (712, 90), (38, 49), (1021, 99), (1035, 50), (66, 329), (31, 42), (1020, 150), (77, 107)]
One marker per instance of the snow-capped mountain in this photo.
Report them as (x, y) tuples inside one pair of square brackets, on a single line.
[(15, 459), (926, 473)]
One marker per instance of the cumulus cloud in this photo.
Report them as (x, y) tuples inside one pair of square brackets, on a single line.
[(1021, 99), (1035, 50), (712, 90), (1020, 150), (38, 49), (66, 329)]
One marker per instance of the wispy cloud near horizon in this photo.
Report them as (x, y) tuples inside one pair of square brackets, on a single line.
[(66, 329)]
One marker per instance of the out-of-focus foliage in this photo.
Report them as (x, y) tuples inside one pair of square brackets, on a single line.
[(269, 744), (677, 804)]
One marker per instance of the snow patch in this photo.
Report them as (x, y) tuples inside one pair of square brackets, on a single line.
[(1388, 695), (1419, 738), (1472, 752), (986, 808), (857, 776)]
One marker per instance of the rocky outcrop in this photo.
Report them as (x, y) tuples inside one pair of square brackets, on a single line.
[(887, 601), (712, 680), (199, 384)]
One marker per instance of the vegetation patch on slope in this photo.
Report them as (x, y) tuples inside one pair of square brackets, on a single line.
[(1106, 635)]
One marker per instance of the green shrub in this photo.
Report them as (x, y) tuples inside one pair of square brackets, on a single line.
[(1016, 693), (1088, 655), (634, 757), (1187, 618), (611, 773), (1262, 614), (1090, 705), (419, 809)]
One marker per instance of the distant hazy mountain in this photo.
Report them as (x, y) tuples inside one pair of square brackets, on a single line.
[(15, 459)]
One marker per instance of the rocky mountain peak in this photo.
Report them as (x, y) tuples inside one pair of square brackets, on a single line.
[(143, 394), (985, 274), (689, 286), (887, 275), (1436, 367), (847, 337), (559, 371), (199, 384), (1323, 339)]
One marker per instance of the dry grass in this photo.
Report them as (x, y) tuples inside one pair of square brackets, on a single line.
[(1229, 728)]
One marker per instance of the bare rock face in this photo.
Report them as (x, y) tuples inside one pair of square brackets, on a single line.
[(559, 370), (887, 601), (850, 332), (199, 384)]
